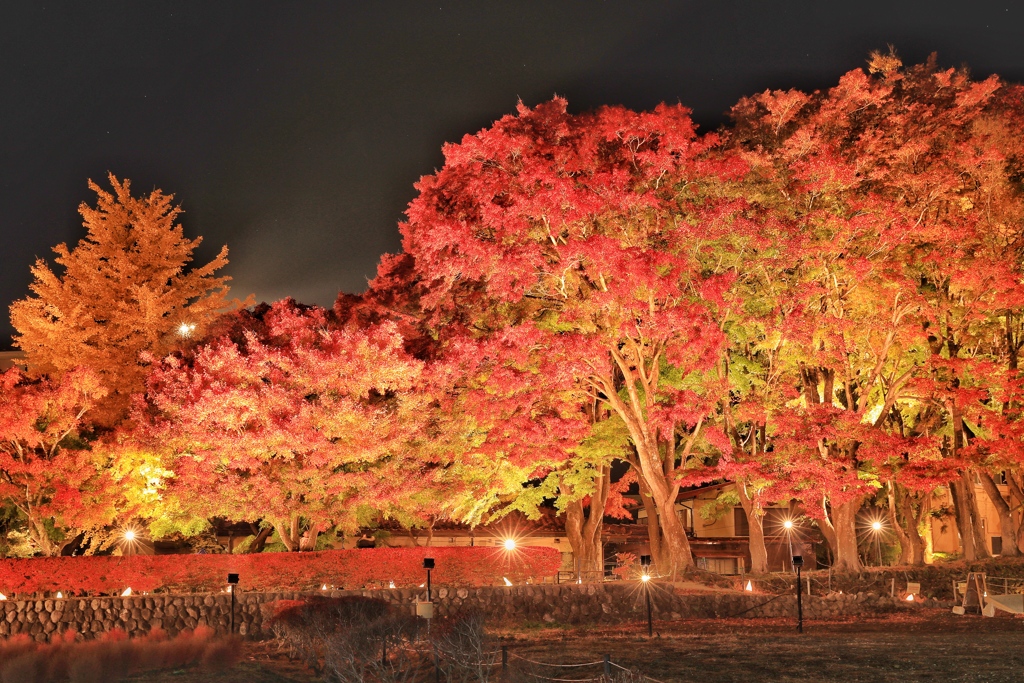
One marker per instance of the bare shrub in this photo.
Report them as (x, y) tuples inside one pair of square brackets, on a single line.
[(353, 638), (110, 658), (624, 676), (305, 626), (386, 650), (465, 652)]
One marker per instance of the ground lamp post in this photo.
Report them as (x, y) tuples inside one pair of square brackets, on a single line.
[(645, 561), (876, 529), (428, 564), (798, 562), (425, 610), (232, 582)]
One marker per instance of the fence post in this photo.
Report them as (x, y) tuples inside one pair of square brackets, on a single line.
[(607, 665), (504, 657)]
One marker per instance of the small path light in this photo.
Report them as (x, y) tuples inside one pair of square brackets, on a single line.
[(232, 582)]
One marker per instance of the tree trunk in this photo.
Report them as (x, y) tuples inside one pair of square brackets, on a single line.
[(41, 537), (73, 543), (971, 497), (899, 522), (656, 454), (288, 532), (584, 530), (586, 547), (913, 528), (1007, 524), (653, 527), (656, 473), (826, 527), (844, 521), (307, 541), (964, 526), (755, 521), (260, 540)]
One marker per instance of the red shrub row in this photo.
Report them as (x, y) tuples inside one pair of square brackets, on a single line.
[(370, 567)]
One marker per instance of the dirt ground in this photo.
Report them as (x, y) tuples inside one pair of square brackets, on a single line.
[(929, 646)]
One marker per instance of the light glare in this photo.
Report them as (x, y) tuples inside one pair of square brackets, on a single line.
[(510, 544)]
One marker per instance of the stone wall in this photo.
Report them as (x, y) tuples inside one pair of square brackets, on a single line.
[(566, 604)]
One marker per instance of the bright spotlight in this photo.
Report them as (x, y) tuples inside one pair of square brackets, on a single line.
[(186, 329), (510, 544), (876, 526), (645, 578), (129, 535), (788, 524)]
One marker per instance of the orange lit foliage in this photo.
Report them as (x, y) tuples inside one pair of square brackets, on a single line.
[(569, 250), (122, 290), (898, 189), (51, 476), (300, 422)]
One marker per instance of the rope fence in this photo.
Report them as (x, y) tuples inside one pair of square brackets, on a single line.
[(751, 609), (606, 663)]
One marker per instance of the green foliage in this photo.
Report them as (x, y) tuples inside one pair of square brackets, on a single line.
[(716, 509)]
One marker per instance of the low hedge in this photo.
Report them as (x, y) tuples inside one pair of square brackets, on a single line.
[(351, 569)]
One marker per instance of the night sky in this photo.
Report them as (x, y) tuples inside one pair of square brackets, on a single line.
[(293, 132)]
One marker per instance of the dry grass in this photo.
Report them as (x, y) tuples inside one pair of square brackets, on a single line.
[(927, 646), (930, 645)]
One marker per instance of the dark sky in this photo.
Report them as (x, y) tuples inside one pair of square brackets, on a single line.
[(294, 131)]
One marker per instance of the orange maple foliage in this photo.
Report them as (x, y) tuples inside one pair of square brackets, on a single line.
[(301, 422), (123, 289)]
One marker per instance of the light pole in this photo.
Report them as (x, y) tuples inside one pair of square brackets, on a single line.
[(428, 564), (798, 562), (788, 526), (232, 583), (645, 578), (876, 528)]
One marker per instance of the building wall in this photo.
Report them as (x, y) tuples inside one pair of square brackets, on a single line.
[(946, 539)]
